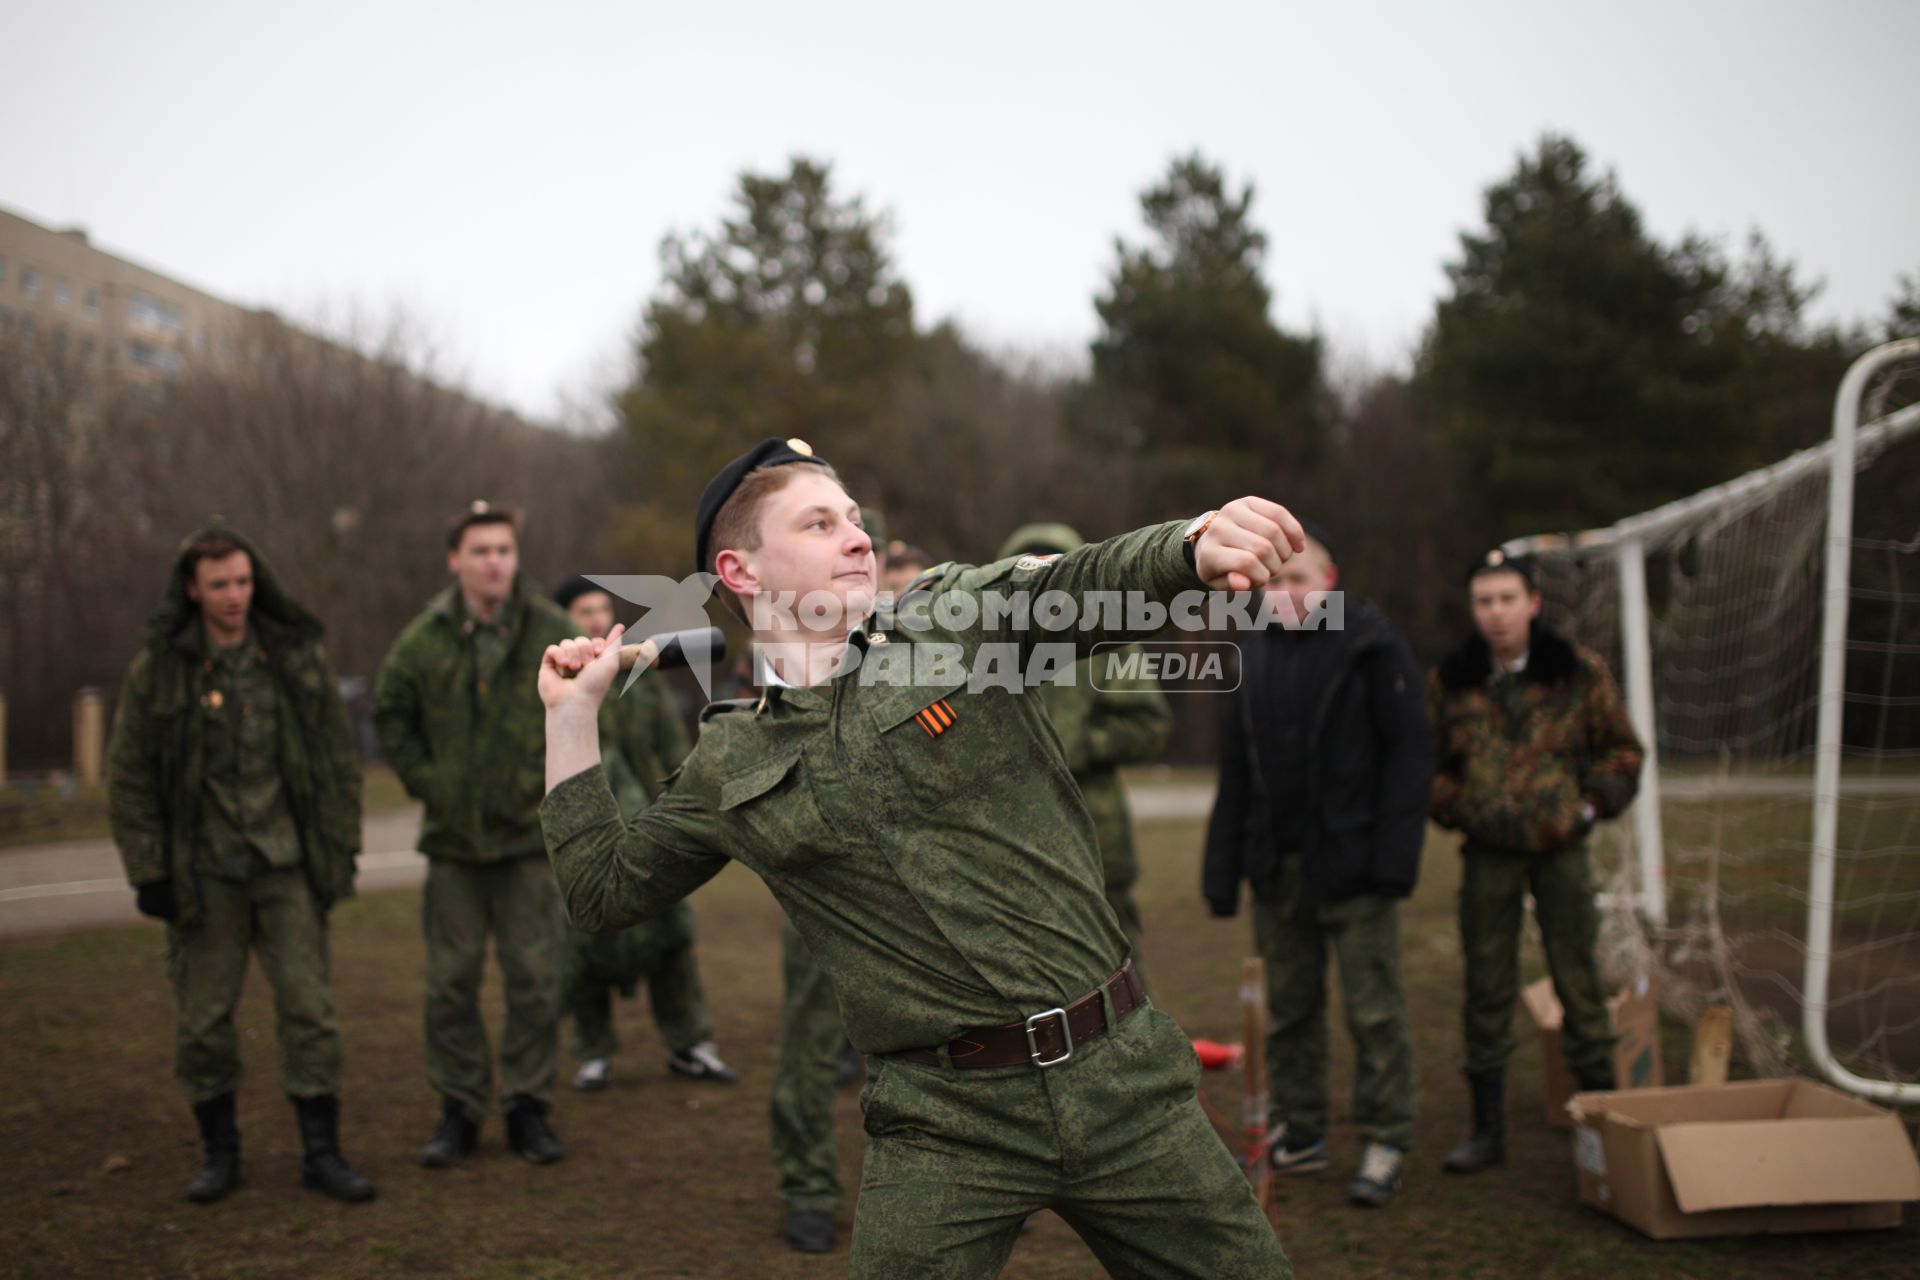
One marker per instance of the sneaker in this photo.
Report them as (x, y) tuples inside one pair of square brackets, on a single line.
[(700, 1062), (1378, 1178), (1286, 1157), (593, 1075)]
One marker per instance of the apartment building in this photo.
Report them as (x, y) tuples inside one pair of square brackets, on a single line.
[(57, 286)]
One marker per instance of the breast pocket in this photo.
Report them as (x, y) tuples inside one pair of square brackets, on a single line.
[(949, 744), (776, 819)]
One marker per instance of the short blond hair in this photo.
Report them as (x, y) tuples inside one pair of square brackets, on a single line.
[(736, 526)]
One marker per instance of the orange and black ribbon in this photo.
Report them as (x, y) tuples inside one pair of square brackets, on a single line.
[(936, 719)]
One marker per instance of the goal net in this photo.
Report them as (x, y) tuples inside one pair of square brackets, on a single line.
[(1708, 887)]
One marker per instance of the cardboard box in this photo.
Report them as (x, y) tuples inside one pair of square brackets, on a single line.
[(1636, 1058), (1742, 1159)]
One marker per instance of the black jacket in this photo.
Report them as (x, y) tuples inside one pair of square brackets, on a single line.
[(1370, 772)]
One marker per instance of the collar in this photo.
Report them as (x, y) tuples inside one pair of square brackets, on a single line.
[(232, 655), (503, 618), (772, 679)]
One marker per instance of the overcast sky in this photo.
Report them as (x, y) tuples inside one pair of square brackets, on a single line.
[(505, 171)]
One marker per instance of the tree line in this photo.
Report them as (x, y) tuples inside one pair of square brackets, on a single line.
[(1575, 369)]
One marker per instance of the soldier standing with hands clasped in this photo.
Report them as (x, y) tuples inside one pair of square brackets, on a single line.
[(460, 722)]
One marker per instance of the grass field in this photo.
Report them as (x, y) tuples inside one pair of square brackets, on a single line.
[(673, 1179)]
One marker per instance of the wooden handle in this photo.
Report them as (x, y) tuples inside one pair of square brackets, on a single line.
[(644, 654)]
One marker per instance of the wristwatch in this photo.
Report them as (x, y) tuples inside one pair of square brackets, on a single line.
[(1190, 537)]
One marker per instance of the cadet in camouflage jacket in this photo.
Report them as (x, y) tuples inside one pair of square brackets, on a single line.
[(929, 843), (233, 791), (1518, 756), (461, 723), (156, 756), (1527, 761)]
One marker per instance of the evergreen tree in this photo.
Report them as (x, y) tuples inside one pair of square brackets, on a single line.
[(1189, 366)]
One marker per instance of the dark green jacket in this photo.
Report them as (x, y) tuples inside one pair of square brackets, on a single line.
[(473, 750), (156, 757), (1516, 756)]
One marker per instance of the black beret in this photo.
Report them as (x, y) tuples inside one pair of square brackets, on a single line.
[(575, 587), (768, 453), (1500, 561)]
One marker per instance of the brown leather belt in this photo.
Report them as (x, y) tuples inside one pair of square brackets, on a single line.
[(1046, 1039)]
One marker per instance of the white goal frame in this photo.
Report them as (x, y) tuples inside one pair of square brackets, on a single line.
[(1628, 540)]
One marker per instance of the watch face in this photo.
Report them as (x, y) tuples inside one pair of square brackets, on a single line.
[(1198, 524)]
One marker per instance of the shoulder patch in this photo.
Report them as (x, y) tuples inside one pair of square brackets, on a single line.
[(1036, 562), (930, 577)]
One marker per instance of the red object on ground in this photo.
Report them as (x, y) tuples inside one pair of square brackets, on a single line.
[(1215, 1056)]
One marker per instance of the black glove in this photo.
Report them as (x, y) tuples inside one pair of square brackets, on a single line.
[(155, 898)]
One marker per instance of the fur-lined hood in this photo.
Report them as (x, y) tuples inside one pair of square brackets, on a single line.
[(1551, 659)]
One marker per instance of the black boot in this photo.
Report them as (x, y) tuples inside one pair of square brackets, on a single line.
[(323, 1168), (810, 1230), (529, 1134), (1487, 1145), (221, 1137), (454, 1138)]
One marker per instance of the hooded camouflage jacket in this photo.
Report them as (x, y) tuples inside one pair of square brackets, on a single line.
[(1517, 754), (471, 744), (156, 758)]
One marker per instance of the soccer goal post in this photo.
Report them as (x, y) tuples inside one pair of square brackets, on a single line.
[(1769, 648)]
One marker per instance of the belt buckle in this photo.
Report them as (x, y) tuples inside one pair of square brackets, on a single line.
[(1066, 1037)]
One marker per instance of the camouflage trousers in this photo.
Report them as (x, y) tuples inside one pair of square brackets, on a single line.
[(273, 915), (1364, 936), (804, 1082), (1113, 1140), (595, 965), (1492, 902), (518, 904)]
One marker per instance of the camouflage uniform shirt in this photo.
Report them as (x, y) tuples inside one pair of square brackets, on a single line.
[(943, 873)]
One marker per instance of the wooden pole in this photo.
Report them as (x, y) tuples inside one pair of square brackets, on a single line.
[(89, 736), (1712, 1045)]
